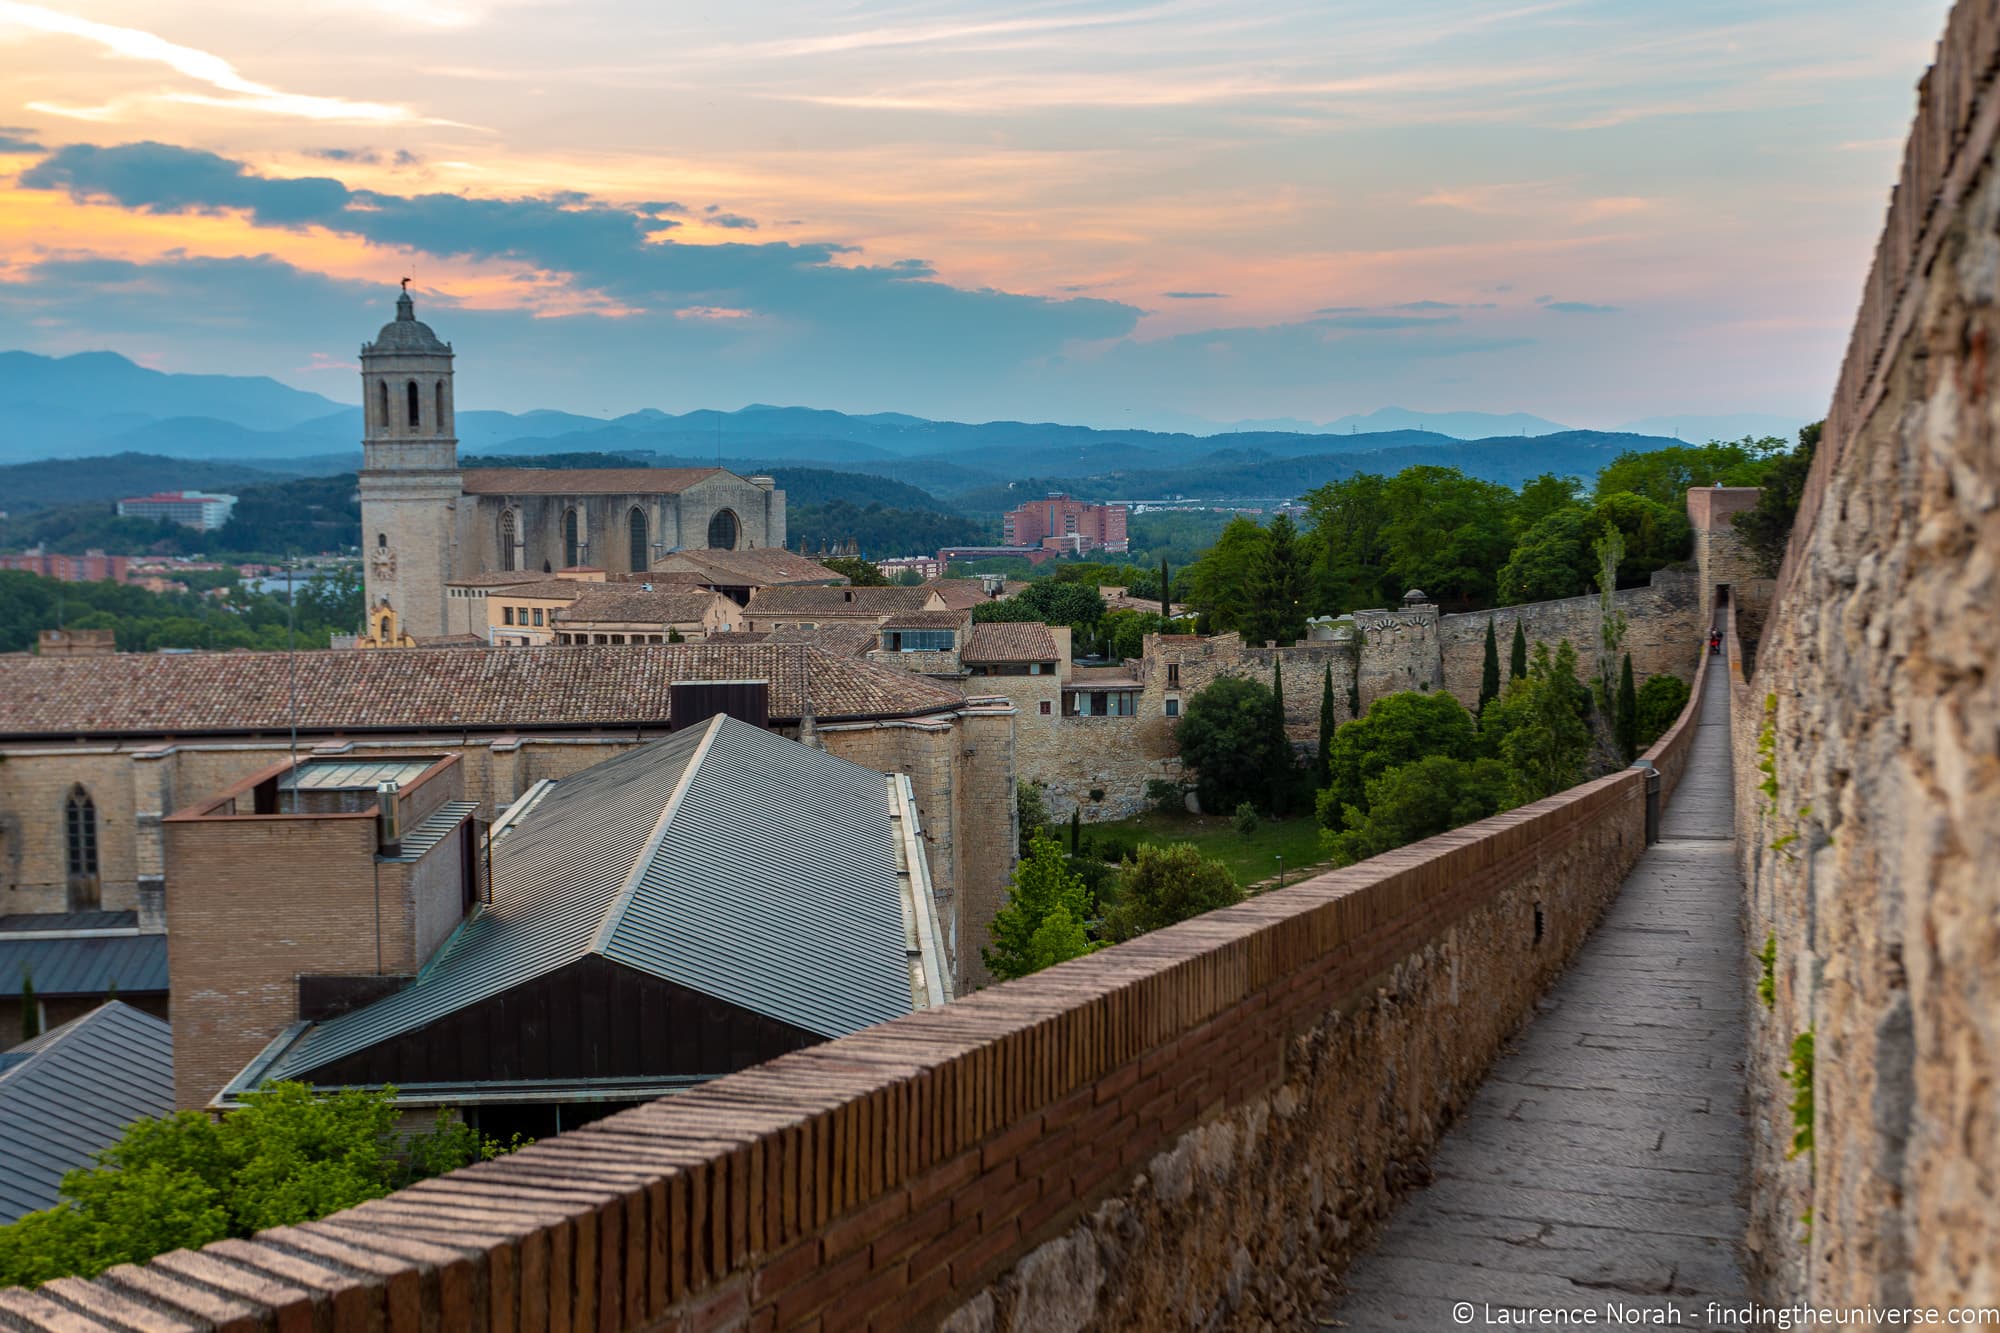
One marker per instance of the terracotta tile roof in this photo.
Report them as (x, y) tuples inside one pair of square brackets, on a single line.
[(585, 481), (543, 588), (1099, 676), (928, 620), (799, 601), (451, 641), (964, 594), (849, 639), (1011, 641), (630, 603), (496, 580), (148, 694), (757, 566)]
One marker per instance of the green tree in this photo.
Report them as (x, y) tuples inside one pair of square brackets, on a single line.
[(1767, 529), (1166, 592), (1626, 725), (1399, 729), (1031, 814), (1162, 885), (1517, 657), (1042, 922), (1489, 669), (1540, 497), (1654, 535), (1277, 608), (1446, 533), (1658, 707), (1329, 722), (1420, 799), (1124, 632), (1225, 738), (860, 573), (1282, 773), (1220, 581), (1537, 725), (1550, 561), (1349, 566), (31, 1009), (287, 1156), (1049, 601), (1076, 831), (1665, 476)]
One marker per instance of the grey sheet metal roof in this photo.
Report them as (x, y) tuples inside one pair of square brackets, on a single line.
[(71, 1093), (352, 774), (725, 858), (25, 922), (135, 964), (440, 824)]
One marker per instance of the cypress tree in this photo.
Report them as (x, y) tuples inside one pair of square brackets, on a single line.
[(1166, 593), (31, 1012), (1076, 831), (1517, 663), (1281, 745), (1489, 670), (1627, 722), (1327, 722)]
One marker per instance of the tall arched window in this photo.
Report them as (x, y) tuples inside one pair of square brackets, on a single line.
[(722, 531), (507, 539), (80, 834), (439, 417), (382, 405), (381, 541), (635, 525), (570, 542), (415, 406)]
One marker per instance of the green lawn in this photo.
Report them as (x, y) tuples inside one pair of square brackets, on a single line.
[(1251, 860)]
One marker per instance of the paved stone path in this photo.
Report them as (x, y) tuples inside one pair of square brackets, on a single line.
[(1601, 1164)]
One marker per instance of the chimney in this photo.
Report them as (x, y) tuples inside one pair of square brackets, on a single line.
[(388, 819)]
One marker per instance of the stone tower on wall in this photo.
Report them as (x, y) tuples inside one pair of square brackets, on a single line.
[(410, 483)]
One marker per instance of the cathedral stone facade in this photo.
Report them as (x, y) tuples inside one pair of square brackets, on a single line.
[(425, 521)]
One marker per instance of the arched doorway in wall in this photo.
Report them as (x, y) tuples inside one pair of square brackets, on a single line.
[(723, 530)]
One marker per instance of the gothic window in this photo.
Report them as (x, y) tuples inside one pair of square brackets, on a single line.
[(507, 539), (722, 531), (635, 523), (439, 395), (381, 541), (382, 405), (80, 834), (570, 543), (414, 416)]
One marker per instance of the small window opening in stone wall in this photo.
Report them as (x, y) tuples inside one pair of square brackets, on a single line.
[(1541, 924), (416, 413)]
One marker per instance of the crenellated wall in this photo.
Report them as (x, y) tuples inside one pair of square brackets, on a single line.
[(1867, 751)]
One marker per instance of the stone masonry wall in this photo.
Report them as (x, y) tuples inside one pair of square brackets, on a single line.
[(1664, 632), (1869, 847)]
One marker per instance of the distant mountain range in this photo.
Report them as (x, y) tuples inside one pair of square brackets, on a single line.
[(95, 404)]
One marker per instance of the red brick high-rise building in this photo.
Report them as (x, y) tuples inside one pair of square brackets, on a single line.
[(1062, 523)]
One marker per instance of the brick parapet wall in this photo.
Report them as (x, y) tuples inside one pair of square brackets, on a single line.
[(891, 1177)]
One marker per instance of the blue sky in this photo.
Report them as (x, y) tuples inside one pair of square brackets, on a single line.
[(1134, 213)]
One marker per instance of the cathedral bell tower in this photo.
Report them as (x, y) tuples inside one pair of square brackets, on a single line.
[(410, 484)]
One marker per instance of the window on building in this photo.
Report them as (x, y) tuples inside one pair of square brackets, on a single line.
[(538, 616), (382, 405), (416, 414), (1173, 673), (1173, 708), (918, 640), (635, 526), (1045, 708), (506, 615), (507, 540), (381, 541), (1100, 703), (438, 396), (571, 545), (722, 531), (80, 834)]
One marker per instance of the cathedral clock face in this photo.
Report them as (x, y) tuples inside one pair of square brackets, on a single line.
[(382, 563)]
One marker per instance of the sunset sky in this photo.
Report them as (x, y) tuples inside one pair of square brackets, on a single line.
[(1111, 213)]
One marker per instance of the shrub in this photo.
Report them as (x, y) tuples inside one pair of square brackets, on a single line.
[(1660, 702), (1246, 819), (1162, 885)]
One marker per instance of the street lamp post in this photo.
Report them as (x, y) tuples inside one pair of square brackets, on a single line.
[(1281, 870)]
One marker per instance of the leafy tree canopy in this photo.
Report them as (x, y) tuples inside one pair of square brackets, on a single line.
[(1397, 730), (1665, 475), (288, 1156), (1537, 725), (1219, 582), (1043, 921), (1225, 737), (1417, 800), (1053, 603), (1767, 529), (1162, 885), (1660, 701), (861, 573)]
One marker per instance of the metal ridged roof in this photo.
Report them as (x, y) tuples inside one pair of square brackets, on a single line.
[(726, 858), (71, 1096), (352, 774), (37, 921), (135, 964), (440, 824)]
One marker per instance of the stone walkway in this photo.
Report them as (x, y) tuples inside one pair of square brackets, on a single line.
[(1601, 1164)]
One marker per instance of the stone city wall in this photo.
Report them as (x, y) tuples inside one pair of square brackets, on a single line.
[(1195, 1128), (1869, 836), (1664, 632)]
